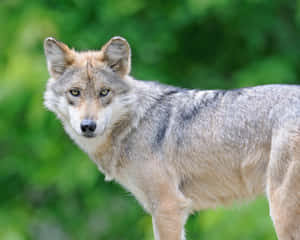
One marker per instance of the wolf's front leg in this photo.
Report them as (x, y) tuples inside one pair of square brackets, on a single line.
[(168, 226), (168, 220)]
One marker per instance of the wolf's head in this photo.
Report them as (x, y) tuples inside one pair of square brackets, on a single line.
[(88, 90)]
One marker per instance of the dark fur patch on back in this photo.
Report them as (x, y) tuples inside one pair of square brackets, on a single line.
[(208, 100), (161, 108), (235, 93), (163, 97), (188, 114), (162, 128)]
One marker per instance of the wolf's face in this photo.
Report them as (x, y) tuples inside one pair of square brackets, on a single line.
[(88, 90)]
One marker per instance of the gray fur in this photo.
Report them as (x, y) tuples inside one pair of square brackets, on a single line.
[(180, 150)]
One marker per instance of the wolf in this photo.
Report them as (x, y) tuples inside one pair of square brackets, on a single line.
[(179, 150)]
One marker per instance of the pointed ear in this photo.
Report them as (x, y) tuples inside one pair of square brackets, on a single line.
[(117, 54), (58, 56)]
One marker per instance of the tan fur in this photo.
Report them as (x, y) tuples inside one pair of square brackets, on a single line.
[(70, 54), (90, 109), (93, 58), (169, 214)]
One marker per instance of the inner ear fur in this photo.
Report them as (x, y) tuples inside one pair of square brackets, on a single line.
[(59, 56), (117, 54)]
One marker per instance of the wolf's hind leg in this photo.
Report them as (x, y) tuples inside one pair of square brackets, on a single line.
[(284, 187)]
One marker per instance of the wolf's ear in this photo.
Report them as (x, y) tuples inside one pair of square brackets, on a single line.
[(117, 54), (58, 56)]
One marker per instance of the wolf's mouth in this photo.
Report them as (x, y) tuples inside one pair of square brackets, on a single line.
[(89, 135)]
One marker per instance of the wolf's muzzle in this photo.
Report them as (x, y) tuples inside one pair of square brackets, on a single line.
[(88, 127)]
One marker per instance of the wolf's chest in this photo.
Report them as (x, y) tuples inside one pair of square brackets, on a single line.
[(97, 149)]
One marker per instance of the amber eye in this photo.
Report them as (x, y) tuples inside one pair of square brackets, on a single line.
[(104, 92), (75, 92)]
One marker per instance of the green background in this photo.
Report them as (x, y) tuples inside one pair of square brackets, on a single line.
[(49, 188)]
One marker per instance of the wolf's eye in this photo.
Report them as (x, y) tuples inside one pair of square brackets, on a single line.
[(75, 92), (104, 92)]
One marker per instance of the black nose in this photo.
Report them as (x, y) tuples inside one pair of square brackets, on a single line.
[(88, 126)]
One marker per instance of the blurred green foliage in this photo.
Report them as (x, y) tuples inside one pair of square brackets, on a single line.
[(49, 188)]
